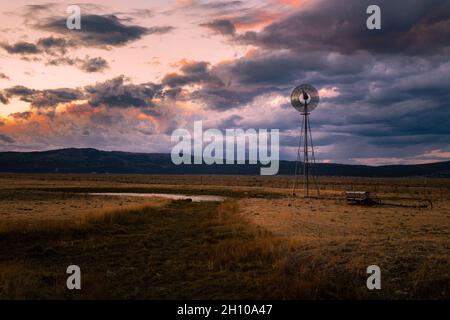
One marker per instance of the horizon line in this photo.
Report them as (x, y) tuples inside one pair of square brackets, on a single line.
[(285, 160)]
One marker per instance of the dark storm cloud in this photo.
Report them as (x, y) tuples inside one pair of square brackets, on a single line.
[(18, 91), (234, 84), (86, 64), (54, 51), (49, 45), (41, 98), (408, 26), (116, 93), (226, 97), (97, 64), (222, 26), (388, 98), (198, 67), (53, 97), (192, 73), (53, 45), (21, 48), (214, 90), (102, 30), (384, 127), (273, 69), (379, 75), (392, 86), (418, 120)]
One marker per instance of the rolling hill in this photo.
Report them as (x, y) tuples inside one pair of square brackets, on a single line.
[(95, 161)]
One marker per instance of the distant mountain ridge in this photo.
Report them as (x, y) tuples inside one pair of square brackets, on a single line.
[(96, 161)]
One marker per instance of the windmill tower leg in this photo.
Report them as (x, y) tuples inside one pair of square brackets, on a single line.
[(313, 171), (305, 157), (299, 159)]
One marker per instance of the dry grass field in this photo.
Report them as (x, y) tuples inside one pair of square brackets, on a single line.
[(257, 244)]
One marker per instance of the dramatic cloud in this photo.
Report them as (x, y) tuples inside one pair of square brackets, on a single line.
[(389, 87), (111, 93), (50, 45), (414, 27), (41, 98), (82, 125), (94, 64), (21, 48), (55, 52), (86, 64), (116, 93), (3, 76), (384, 93), (195, 72), (109, 115), (208, 86), (55, 46), (102, 30), (222, 26)]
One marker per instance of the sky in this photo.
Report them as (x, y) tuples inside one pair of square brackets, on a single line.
[(137, 70)]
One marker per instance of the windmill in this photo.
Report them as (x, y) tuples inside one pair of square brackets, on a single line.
[(305, 98)]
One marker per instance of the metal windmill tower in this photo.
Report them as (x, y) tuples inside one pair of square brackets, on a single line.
[(305, 98)]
